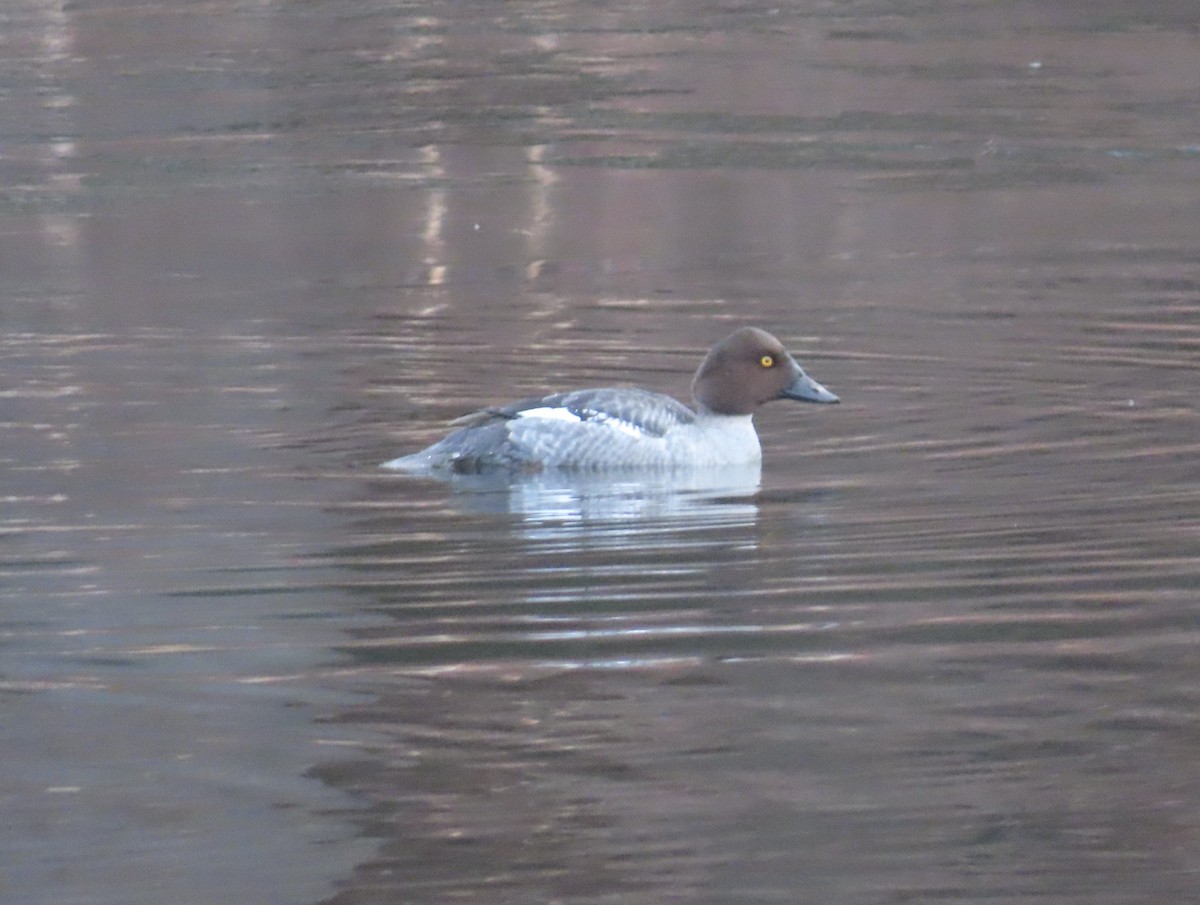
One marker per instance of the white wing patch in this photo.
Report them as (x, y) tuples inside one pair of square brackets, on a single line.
[(554, 414), (590, 416)]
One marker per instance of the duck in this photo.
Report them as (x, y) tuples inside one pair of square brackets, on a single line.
[(612, 428)]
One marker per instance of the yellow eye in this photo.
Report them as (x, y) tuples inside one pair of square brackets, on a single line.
[(767, 361)]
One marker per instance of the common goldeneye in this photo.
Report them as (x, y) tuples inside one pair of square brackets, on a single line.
[(614, 428)]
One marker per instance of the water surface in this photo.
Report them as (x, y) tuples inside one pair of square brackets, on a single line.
[(942, 647)]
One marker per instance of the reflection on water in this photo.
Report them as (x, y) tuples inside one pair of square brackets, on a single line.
[(556, 569), (622, 500), (942, 647)]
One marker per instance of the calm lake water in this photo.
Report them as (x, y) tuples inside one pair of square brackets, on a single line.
[(942, 648)]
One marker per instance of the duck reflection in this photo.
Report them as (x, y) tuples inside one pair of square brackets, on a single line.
[(558, 498)]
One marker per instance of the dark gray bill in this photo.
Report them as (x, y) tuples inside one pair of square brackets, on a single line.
[(806, 389)]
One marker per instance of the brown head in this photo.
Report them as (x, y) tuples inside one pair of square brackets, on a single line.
[(748, 368)]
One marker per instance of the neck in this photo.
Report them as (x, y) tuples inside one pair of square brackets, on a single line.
[(704, 411)]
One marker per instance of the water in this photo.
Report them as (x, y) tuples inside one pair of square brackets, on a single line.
[(941, 648)]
